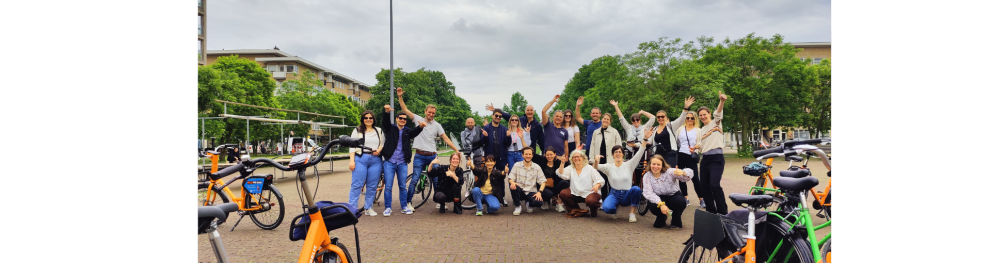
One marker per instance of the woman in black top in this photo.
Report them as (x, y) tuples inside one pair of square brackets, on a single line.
[(549, 163), (449, 180), (233, 157), (492, 177)]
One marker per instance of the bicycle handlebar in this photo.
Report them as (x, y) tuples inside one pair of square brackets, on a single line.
[(344, 140)]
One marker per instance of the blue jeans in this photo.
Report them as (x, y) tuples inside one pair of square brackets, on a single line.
[(367, 170), (391, 172), (491, 200), (513, 158), (621, 198), (420, 162)]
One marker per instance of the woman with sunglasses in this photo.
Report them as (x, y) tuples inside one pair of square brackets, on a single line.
[(366, 169), (634, 131), (688, 135), (712, 161), (518, 138), (574, 134)]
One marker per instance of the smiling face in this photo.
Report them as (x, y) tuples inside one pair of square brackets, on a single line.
[(576, 158), (401, 120), (617, 153), (704, 116), (527, 155), (470, 123), (529, 112), (656, 165), (690, 119), (550, 155), (430, 112), (455, 160), (596, 114), (635, 120), (558, 118), (514, 122), (662, 118), (368, 119), (490, 163), (606, 121), (496, 117)]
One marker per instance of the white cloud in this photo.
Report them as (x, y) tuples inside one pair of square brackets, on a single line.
[(491, 49)]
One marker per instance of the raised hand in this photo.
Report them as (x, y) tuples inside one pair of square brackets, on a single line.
[(598, 157), (388, 108), (614, 103), (652, 131), (722, 97), (689, 101), (485, 122), (528, 129), (557, 97), (489, 107), (562, 158), (399, 91), (580, 100)]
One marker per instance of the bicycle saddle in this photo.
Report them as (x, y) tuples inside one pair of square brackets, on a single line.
[(795, 174), (801, 184), (795, 158), (207, 214), (750, 200)]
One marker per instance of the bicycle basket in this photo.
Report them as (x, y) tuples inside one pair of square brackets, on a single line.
[(755, 169), (333, 218)]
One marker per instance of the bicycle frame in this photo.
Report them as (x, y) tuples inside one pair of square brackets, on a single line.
[(317, 236), (819, 197), (241, 199), (804, 218)]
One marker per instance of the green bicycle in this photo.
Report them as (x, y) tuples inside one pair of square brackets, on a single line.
[(422, 190)]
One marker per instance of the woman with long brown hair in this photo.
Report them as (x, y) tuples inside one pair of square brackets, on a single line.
[(574, 134), (367, 168), (662, 193)]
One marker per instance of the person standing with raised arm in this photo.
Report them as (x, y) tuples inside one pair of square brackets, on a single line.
[(536, 130), (711, 167), (426, 148), (574, 133), (555, 135), (665, 140), (494, 136), (397, 153), (590, 125), (621, 177), (634, 133)]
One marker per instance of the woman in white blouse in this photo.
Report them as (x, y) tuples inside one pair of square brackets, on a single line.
[(366, 168), (585, 184), (574, 134), (660, 187)]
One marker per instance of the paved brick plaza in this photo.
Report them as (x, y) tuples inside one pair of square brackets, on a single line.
[(427, 236)]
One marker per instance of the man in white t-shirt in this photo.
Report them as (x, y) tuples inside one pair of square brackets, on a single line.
[(426, 149)]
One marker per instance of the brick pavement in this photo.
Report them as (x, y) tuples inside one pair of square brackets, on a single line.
[(427, 236)]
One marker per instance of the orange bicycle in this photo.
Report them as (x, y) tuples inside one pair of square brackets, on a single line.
[(258, 198), (793, 150)]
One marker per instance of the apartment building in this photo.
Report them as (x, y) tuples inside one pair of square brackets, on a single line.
[(201, 33), (282, 65)]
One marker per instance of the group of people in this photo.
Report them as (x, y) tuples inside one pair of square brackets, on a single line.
[(570, 168)]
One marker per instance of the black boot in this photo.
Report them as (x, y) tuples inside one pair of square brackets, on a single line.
[(442, 208), (457, 207), (660, 221)]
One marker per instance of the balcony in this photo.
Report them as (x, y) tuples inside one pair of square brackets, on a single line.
[(279, 75)]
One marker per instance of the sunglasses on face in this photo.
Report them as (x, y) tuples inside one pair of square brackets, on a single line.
[(402, 119), (497, 116), (690, 118), (662, 116), (569, 115), (636, 119), (514, 120), (368, 118)]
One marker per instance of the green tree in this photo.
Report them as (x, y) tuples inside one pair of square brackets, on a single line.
[(517, 106), (423, 87), (306, 93), (764, 81), (240, 80), (819, 99)]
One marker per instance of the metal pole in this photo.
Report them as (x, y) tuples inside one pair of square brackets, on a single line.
[(282, 138), (392, 89), (247, 139)]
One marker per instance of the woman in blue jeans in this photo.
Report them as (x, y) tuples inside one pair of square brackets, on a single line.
[(519, 138), (623, 192), (488, 186), (366, 168)]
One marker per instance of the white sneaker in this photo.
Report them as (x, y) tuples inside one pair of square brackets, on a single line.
[(387, 212), (518, 210), (528, 209), (411, 208), (370, 212), (438, 205), (545, 206), (633, 217), (613, 216), (560, 208)]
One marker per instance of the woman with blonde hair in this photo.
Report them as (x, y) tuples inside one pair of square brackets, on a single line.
[(517, 139), (584, 188)]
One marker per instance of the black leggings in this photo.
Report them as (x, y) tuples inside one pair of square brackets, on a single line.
[(685, 161), (447, 195), (677, 203), (711, 171)]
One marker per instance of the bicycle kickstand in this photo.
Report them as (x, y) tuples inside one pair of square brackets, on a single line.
[(238, 221)]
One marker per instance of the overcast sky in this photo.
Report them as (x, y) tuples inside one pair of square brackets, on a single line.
[(491, 49)]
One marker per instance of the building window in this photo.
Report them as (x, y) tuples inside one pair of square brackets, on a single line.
[(199, 21), (273, 68), (776, 135), (291, 68), (199, 49), (815, 61)]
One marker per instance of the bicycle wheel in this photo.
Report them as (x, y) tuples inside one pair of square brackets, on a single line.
[(642, 207), (425, 188), (268, 218), (331, 257), (824, 251), (379, 190), (469, 183), (217, 196), (775, 232), (696, 253)]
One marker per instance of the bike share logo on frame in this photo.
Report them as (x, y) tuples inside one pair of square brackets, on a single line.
[(313, 254)]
